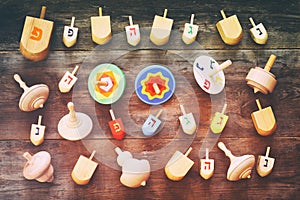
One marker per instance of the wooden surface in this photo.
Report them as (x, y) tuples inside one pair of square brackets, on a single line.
[(281, 20)]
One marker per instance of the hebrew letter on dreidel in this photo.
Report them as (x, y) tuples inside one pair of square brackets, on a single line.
[(36, 34)]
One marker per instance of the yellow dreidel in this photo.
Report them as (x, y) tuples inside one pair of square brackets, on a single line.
[(219, 121), (264, 120), (36, 35), (190, 31), (207, 166), (70, 34), (84, 169), (179, 165), (37, 132), (265, 164), (230, 29), (258, 32), (133, 33), (101, 28), (187, 122), (68, 80), (161, 29)]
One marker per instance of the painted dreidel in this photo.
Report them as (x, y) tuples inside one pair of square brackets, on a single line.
[(264, 120), (33, 97), (135, 172), (84, 169), (70, 34), (101, 28), (230, 29), (37, 132), (265, 164), (36, 36), (38, 167), (75, 125), (190, 31), (240, 167), (258, 32), (133, 33), (207, 166), (187, 122), (151, 125), (179, 165), (68, 80), (161, 29), (262, 80), (116, 126), (219, 121)]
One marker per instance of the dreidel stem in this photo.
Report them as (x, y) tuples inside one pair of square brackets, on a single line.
[(268, 151), (165, 13), (101, 83), (72, 112), (270, 62), (118, 150), (224, 108), (223, 14), (252, 22), (92, 155), (192, 19), (224, 65), (159, 113), (206, 154), (43, 12), (130, 20), (40, 120), (258, 104), (182, 109), (188, 152), (112, 114), (100, 11), (21, 82), (27, 156), (72, 22), (75, 70), (156, 88)]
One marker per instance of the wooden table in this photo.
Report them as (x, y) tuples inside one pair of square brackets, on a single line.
[(280, 18)]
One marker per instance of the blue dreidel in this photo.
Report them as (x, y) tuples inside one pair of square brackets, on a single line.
[(151, 125)]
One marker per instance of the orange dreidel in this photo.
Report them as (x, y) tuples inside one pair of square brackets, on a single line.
[(84, 169), (230, 29), (37, 132), (101, 28), (264, 120), (219, 121), (187, 122), (70, 34), (262, 80), (116, 126), (36, 35), (265, 164), (161, 29), (258, 32), (133, 33), (207, 166), (179, 165), (190, 31), (68, 80)]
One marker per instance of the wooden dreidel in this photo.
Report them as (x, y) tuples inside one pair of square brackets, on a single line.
[(133, 33), (68, 80), (219, 121), (161, 29), (70, 34), (207, 166), (240, 167), (38, 167), (75, 125), (187, 122), (190, 31), (37, 132), (34, 97), (262, 80), (265, 164), (84, 169), (258, 32), (101, 28), (116, 126), (151, 125), (230, 29), (36, 35), (179, 165), (264, 120)]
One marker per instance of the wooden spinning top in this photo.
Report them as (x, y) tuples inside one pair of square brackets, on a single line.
[(75, 125), (33, 97), (38, 167), (262, 80)]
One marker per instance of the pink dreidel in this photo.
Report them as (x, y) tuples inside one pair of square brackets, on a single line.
[(116, 126), (187, 122), (207, 166), (68, 80), (151, 125)]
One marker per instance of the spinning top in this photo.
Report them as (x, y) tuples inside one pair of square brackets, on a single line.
[(101, 29), (207, 166), (258, 32), (265, 164), (38, 167), (75, 125), (219, 121), (70, 34), (133, 33), (240, 167), (262, 80), (37, 132), (187, 122), (190, 31), (33, 97)]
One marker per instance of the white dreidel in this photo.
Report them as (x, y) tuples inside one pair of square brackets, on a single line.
[(75, 125), (207, 166), (133, 33), (265, 164), (70, 34), (37, 132), (219, 121), (34, 97), (258, 32), (190, 31), (68, 80), (101, 28), (187, 122), (151, 125)]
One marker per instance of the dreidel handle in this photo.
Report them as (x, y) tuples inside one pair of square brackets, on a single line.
[(206, 154), (22, 84), (268, 152), (101, 83), (224, 65), (270, 62), (92, 155), (156, 88), (112, 114), (43, 12), (159, 113), (224, 108), (75, 70), (72, 112), (40, 120), (27, 156), (182, 109), (130, 20), (100, 11), (72, 22), (252, 22), (188, 152), (192, 19), (165, 13), (118, 150), (258, 104), (223, 14), (228, 153)]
